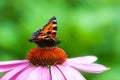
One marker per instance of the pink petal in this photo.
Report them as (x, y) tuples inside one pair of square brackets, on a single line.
[(8, 65), (56, 74), (13, 62), (24, 75), (70, 73), (8, 75), (84, 59), (92, 68), (46, 77), (40, 73)]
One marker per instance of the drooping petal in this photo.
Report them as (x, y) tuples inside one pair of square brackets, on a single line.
[(40, 73), (8, 65), (57, 74), (8, 75), (70, 73), (24, 75), (92, 68), (12, 62), (84, 59)]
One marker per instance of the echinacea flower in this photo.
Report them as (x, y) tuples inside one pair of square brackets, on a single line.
[(49, 64)]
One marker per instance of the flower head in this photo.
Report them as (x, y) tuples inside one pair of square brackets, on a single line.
[(46, 56), (49, 64)]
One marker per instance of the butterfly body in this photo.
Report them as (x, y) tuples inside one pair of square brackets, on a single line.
[(46, 37)]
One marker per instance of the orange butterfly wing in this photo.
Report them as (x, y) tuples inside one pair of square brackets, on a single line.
[(46, 37), (51, 28), (48, 32)]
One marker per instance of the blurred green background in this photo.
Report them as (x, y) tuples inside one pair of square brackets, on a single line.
[(85, 27)]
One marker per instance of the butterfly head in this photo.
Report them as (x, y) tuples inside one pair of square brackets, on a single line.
[(46, 37)]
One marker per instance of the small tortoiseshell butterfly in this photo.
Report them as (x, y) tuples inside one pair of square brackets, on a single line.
[(46, 37)]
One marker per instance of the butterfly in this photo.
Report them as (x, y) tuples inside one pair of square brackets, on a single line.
[(46, 37)]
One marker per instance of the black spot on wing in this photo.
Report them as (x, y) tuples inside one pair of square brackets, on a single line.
[(47, 37), (48, 32), (54, 22), (54, 33), (55, 28)]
